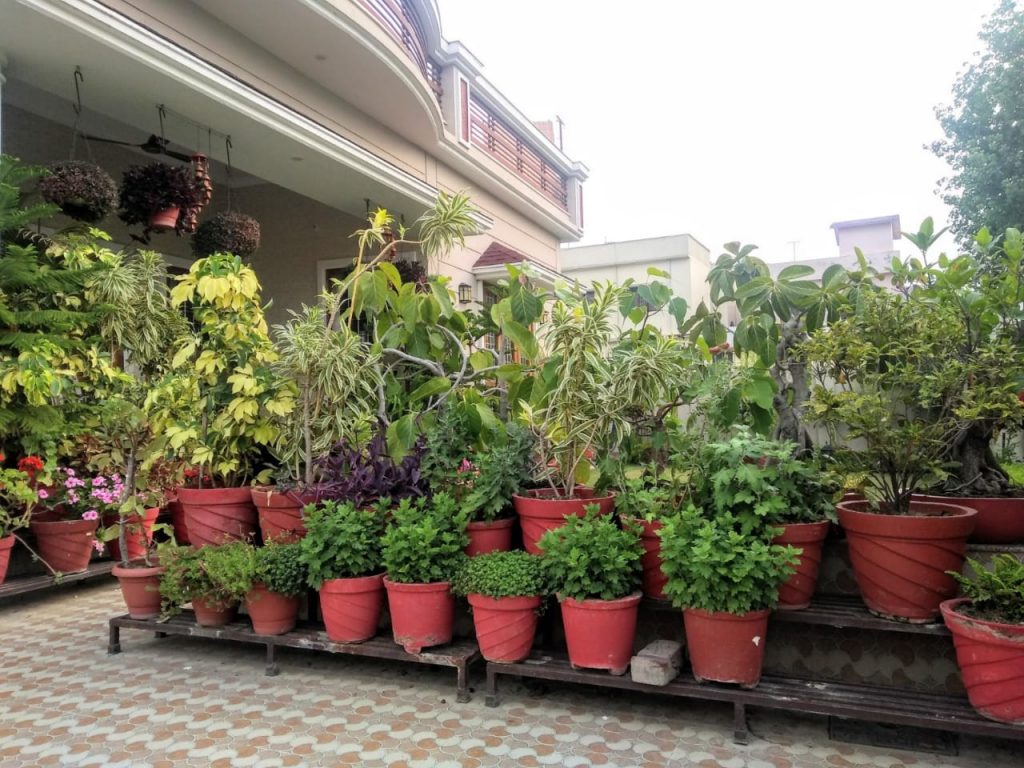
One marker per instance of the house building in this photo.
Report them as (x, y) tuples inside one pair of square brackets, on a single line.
[(876, 238), (312, 112)]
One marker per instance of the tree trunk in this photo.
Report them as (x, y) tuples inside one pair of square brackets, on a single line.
[(790, 375), (978, 472)]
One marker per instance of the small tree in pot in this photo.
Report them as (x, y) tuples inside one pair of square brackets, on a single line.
[(82, 191), (227, 232), (156, 196)]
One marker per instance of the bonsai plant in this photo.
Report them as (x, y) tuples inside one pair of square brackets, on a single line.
[(342, 555), (505, 590), (593, 567), (82, 191), (187, 578), (882, 373), (157, 195), (227, 232), (18, 496), (278, 579), (987, 624), (422, 551)]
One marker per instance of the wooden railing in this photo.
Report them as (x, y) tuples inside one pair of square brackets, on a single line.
[(488, 132), (402, 22)]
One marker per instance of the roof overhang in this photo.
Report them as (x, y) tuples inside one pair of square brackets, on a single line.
[(544, 275)]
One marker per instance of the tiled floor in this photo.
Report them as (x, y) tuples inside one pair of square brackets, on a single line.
[(189, 702)]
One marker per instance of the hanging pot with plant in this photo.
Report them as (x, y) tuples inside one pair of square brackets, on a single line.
[(227, 232), (156, 195), (83, 191)]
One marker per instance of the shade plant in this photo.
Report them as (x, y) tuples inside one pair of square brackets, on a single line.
[(82, 190), (158, 188), (227, 232), (18, 496), (278, 580)]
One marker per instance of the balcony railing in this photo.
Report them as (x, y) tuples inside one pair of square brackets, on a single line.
[(489, 133), (402, 22)]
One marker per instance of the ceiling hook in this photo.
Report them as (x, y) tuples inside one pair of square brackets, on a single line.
[(79, 78), (161, 113)]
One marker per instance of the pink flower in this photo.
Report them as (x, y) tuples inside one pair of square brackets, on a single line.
[(43, 493), (99, 480), (90, 514), (72, 497), (97, 545), (466, 466)]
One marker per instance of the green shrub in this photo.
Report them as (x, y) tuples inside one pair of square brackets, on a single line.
[(501, 574), (341, 542), (186, 578), (231, 567), (643, 498), (590, 557), (996, 593), (280, 568), (500, 475), (425, 541)]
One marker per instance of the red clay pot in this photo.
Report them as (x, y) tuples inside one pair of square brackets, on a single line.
[(5, 555), (505, 626), (599, 633), (139, 534), (422, 615), (491, 536), (795, 594), (280, 513), (351, 607), (539, 512), (654, 579), (1000, 519), (900, 561), (991, 660), (216, 515), (271, 613), (165, 219), (726, 647), (65, 545), (177, 512), (212, 613), (140, 588)]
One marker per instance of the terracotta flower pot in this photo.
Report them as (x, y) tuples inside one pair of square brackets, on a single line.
[(165, 219), (490, 536), (140, 587), (5, 555), (212, 613), (599, 633), (654, 579), (280, 513), (139, 534), (726, 647), (65, 545), (422, 615), (539, 512), (991, 660), (178, 524), (900, 561), (351, 607), (271, 613), (796, 593), (505, 627), (216, 515), (1000, 519)]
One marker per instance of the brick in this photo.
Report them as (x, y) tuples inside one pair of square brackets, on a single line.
[(657, 663)]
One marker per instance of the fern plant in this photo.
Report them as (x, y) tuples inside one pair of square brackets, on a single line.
[(996, 593)]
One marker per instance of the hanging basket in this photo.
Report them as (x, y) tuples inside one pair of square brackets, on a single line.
[(83, 191), (229, 232)]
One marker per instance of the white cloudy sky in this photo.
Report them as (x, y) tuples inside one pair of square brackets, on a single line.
[(734, 119)]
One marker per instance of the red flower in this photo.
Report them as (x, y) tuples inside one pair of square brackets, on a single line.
[(30, 465)]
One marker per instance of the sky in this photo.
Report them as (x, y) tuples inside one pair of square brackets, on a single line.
[(762, 122)]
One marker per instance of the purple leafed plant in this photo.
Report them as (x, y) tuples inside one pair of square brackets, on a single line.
[(362, 475)]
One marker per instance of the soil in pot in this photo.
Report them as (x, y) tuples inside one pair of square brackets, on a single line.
[(797, 591), (541, 511), (6, 543), (139, 534), (280, 513), (991, 660), (505, 626), (1000, 518), (726, 647), (213, 613), (65, 545), (422, 615), (599, 633), (351, 608), (489, 536), (140, 587), (654, 579), (900, 561), (271, 613), (216, 515)]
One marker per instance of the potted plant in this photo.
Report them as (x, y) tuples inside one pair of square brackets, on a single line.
[(82, 191), (278, 580), (364, 471), (219, 407), (504, 590), (423, 548), (227, 232), (881, 373), (342, 555), (644, 502), (156, 195), (987, 624), (187, 579), (65, 530), (593, 566), (18, 495)]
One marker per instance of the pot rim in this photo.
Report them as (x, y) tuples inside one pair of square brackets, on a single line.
[(344, 584), (543, 495), (422, 586), (755, 615), (501, 522), (136, 571), (597, 604), (850, 508), (504, 603), (949, 608)]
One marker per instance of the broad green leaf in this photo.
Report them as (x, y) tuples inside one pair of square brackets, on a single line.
[(655, 272), (391, 273), (401, 436), (429, 388), (481, 359), (522, 337)]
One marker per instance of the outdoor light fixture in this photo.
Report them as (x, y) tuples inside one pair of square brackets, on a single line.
[(465, 293)]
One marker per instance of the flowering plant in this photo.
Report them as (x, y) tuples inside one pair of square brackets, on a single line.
[(17, 498), (84, 497)]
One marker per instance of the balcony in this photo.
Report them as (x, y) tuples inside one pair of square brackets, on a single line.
[(403, 23)]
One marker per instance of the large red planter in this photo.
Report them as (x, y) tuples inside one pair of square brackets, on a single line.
[(505, 626), (351, 607), (213, 614), (599, 633), (900, 561), (216, 515), (795, 594), (140, 588), (991, 660), (178, 524), (5, 555), (490, 536), (65, 545), (1000, 519), (139, 534), (422, 615), (726, 647), (271, 613), (165, 219), (654, 578), (280, 514), (539, 512)]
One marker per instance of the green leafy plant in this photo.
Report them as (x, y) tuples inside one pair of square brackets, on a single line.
[(186, 577), (281, 568), (996, 593), (500, 473), (591, 558), (231, 568), (425, 541), (650, 496), (341, 542), (501, 574), (18, 497)]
